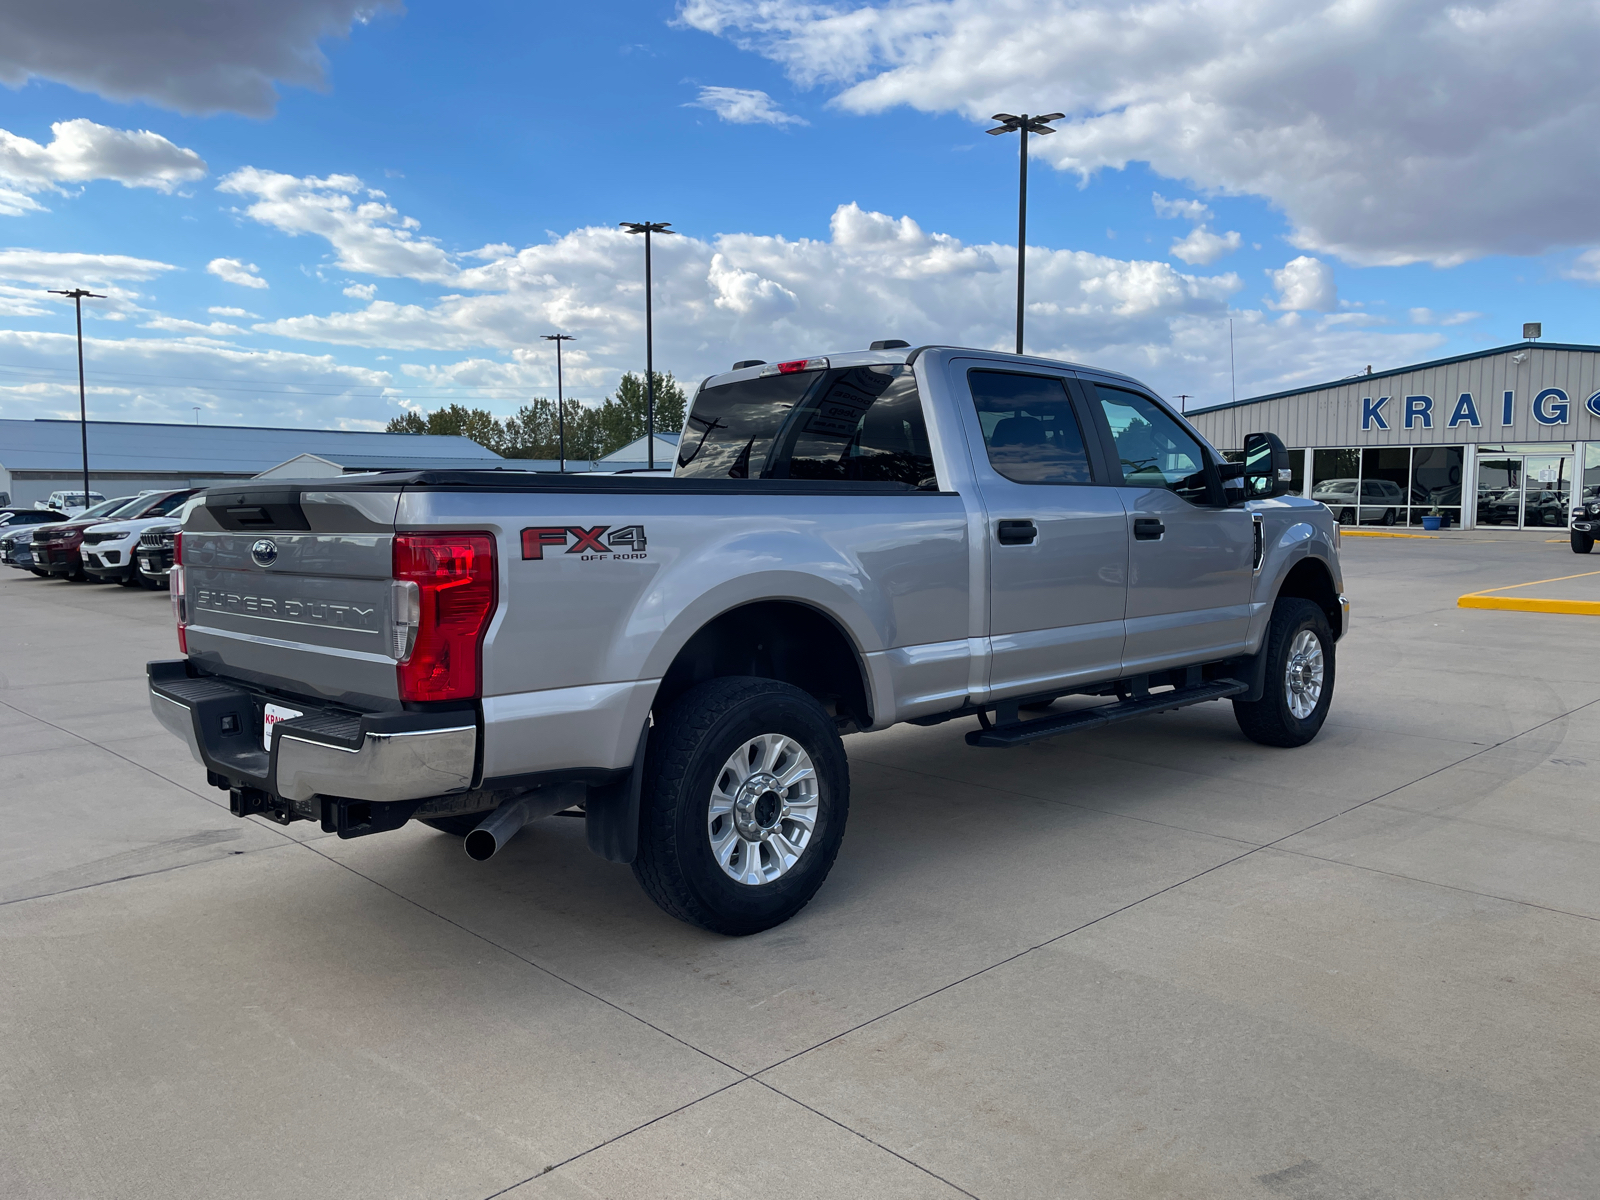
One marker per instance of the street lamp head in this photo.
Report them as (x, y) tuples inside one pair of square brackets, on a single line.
[(1011, 124), (556, 337), (647, 226)]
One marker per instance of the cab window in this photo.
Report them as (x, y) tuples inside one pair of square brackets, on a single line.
[(1154, 450), (1029, 427)]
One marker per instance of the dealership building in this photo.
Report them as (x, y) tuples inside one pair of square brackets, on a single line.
[(1496, 438)]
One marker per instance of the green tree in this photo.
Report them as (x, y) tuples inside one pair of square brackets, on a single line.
[(411, 422), (621, 418)]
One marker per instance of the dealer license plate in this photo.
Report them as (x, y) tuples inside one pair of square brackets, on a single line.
[(274, 714)]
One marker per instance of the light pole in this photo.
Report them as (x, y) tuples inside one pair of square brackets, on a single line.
[(1023, 125), (647, 228), (79, 295), (561, 404)]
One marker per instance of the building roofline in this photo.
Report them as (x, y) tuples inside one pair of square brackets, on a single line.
[(1351, 380), (253, 428)]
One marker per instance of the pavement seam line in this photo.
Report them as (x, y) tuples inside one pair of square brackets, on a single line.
[(1160, 892), (84, 887), (617, 1138), (870, 1141), (522, 958), (1451, 887)]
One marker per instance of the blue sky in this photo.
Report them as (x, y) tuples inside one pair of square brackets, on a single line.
[(1352, 206)]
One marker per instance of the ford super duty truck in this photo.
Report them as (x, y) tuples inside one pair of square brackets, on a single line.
[(846, 543)]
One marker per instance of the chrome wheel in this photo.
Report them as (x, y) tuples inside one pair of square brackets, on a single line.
[(1304, 674), (763, 809)]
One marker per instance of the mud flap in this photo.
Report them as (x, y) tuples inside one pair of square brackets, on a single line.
[(611, 813)]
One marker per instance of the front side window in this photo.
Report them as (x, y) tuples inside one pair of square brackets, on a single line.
[(1155, 451), (1029, 427)]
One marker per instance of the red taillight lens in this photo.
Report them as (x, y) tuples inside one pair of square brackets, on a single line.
[(175, 581), (455, 578)]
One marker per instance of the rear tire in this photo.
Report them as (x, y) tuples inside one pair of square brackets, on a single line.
[(1347, 516), (1582, 543), (716, 770), (1388, 516), (1300, 675)]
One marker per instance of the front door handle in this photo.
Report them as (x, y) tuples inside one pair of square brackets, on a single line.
[(1016, 533), (1147, 529)]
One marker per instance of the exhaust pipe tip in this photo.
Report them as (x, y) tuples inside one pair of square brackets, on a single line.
[(505, 822)]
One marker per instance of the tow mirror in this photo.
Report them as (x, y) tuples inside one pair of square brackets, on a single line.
[(1266, 467)]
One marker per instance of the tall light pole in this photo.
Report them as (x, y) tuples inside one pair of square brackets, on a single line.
[(561, 403), (79, 295), (647, 228), (1023, 125)]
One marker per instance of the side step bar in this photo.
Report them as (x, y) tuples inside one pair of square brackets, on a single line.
[(1017, 733)]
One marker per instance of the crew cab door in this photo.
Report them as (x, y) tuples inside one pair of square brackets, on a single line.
[(1191, 559), (1055, 531)]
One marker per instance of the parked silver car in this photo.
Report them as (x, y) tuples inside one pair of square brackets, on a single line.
[(1380, 501)]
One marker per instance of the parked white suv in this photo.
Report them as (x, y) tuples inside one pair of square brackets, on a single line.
[(110, 550)]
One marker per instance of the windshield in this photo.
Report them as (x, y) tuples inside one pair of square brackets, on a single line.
[(106, 507)]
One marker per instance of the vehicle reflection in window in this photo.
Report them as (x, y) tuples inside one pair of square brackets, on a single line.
[(1153, 448)]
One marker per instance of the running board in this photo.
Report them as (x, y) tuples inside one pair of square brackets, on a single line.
[(1017, 733)]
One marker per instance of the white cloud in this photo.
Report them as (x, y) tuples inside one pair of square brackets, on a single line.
[(1193, 210), (1305, 284), (1585, 267), (365, 291), (17, 204), (65, 269), (743, 106), (1202, 246), (194, 56), (81, 150), (1388, 133), (218, 310), (368, 236), (231, 270), (214, 329), (156, 379), (1429, 316)]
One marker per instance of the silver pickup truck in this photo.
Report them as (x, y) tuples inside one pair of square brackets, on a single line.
[(846, 543)]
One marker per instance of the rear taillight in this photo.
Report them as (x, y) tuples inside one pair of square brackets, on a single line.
[(440, 621), (180, 612)]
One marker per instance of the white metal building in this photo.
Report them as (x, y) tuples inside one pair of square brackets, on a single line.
[(42, 456), (1498, 437)]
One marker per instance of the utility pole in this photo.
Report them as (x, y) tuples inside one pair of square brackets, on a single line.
[(561, 403), (647, 228), (79, 295), (1182, 398), (1024, 125)]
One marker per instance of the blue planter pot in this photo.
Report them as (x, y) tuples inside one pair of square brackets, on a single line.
[(1431, 523)]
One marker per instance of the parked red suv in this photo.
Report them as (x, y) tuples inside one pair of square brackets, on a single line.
[(57, 549)]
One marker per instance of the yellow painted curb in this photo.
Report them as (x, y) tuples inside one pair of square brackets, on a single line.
[(1571, 608), (1376, 533)]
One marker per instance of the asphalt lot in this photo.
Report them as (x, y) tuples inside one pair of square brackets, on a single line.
[(1151, 961)]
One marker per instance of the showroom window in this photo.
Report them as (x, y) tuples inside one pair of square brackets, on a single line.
[(1389, 485)]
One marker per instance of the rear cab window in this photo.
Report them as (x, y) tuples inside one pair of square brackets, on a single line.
[(849, 424)]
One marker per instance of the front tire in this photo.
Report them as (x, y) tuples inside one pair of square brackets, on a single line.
[(1388, 516), (746, 793), (1582, 543), (1299, 678)]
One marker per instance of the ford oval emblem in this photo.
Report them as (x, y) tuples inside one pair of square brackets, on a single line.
[(265, 552)]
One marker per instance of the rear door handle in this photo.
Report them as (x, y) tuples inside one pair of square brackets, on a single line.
[(1147, 529), (1016, 533)]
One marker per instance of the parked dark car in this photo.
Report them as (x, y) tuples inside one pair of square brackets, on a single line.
[(16, 548), (16, 518), (157, 548), (57, 548)]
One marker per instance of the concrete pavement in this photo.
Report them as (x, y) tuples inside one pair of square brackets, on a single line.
[(1149, 961)]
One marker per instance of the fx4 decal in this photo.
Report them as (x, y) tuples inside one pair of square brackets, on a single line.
[(626, 541)]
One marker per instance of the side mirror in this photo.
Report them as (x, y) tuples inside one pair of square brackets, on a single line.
[(1266, 467)]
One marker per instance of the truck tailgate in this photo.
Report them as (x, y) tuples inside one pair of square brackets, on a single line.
[(290, 588)]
